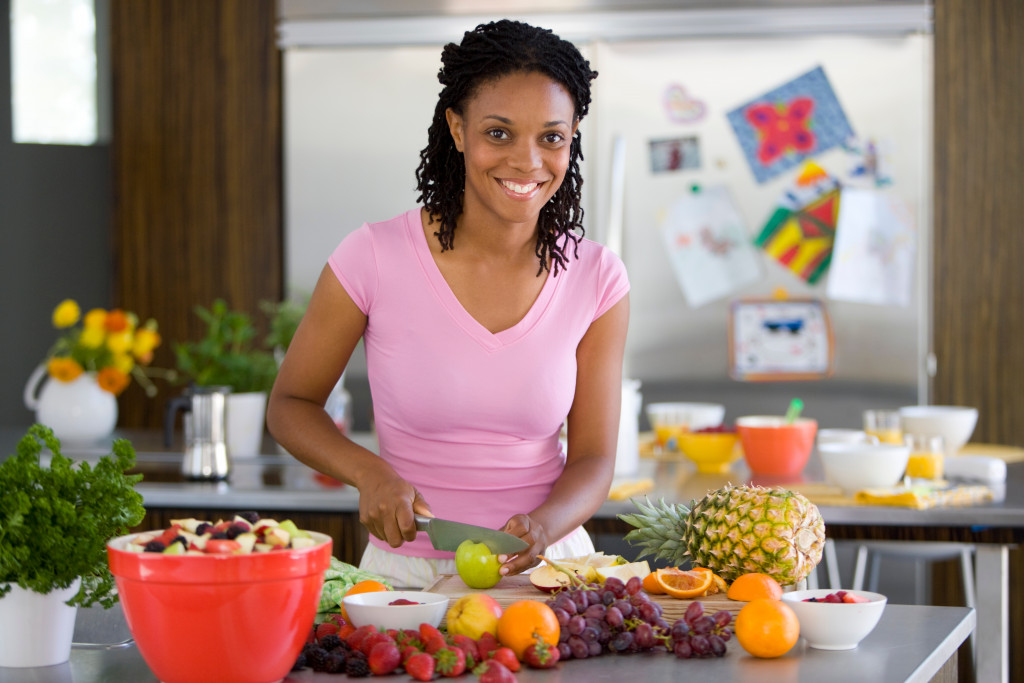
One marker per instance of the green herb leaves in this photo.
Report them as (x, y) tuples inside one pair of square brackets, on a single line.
[(55, 521)]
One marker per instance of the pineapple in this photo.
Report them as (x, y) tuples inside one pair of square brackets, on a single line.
[(734, 530)]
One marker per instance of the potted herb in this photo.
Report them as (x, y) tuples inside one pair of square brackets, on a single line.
[(230, 355), (55, 522), (284, 317)]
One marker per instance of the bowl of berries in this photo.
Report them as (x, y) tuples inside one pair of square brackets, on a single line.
[(227, 600), (396, 609), (712, 449), (835, 620)]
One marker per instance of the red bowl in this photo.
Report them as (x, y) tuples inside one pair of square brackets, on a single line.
[(237, 618), (770, 446)]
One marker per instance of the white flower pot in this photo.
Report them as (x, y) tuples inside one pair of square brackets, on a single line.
[(36, 629), (78, 411), (245, 416)]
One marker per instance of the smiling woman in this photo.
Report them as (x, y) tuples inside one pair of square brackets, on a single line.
[(488, 320)]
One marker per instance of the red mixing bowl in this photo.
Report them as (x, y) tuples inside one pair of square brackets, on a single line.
[(773, 447), (240, 618)]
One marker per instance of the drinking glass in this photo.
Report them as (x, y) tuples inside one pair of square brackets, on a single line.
[(927, 455), (885, 425)]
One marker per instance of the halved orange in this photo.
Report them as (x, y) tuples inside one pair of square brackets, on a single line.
[(651, 584), (718, 584), (753, 586), (684, 584)]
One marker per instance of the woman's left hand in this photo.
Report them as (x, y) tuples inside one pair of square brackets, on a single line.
[(531, 531)]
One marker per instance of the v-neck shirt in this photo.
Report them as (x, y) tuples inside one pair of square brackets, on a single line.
[(471, 418)]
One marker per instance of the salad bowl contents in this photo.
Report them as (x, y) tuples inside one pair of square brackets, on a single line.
[(201, 603), (396, 609), (835, 620)]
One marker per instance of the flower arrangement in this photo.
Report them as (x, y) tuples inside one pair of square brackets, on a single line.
[(110, 343)]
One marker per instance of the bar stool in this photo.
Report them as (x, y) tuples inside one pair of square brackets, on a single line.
[(831, 567)]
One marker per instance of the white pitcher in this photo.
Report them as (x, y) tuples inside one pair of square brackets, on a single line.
[(78, 411)]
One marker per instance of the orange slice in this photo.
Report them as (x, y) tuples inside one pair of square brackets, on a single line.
[(718, 583), (651, 584), (754, 586), (684, 584)]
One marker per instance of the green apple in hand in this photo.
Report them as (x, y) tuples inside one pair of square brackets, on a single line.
[(477, 565)]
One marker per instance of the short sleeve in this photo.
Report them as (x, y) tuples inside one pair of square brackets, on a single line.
[(355, 266), (613, 283)]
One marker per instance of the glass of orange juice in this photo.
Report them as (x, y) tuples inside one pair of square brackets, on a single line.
[(927, 455), (885, 425)]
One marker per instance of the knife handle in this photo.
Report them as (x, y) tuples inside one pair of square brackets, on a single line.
[(422, 523)]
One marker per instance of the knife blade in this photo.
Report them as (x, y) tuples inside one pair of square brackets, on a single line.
[(447, 535)]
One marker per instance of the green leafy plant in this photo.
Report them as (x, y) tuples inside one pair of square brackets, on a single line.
[(55, 521), (228, 354), (284, 317)]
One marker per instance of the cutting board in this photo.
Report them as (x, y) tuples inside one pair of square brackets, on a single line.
[(513, 588)]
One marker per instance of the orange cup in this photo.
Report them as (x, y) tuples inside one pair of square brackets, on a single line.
[(773, 447)]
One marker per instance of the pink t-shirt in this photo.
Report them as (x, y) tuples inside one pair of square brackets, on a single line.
[(470, 418)]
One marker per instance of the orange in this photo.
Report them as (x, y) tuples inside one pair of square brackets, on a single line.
[(752, 586), (718, 583), (651, 584), (367, 586), (767, 628), (684, 584), (523, 622)]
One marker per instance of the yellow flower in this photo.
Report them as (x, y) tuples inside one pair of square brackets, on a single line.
[(146, 340), (66, 314), (95, 319), (119, 342), (112, 380), (124, 362), (92, 337), (64, 369)]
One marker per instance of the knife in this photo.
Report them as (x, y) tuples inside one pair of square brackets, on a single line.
[(448, 535)]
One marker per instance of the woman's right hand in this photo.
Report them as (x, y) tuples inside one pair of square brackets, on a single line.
[(387, 508)]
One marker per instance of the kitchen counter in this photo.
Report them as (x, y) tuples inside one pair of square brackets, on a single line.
[(910, 644)]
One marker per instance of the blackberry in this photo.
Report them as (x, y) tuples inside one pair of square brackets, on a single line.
[(202, 528), (300, 662), (335, 664), (155, 547), (315, 658), (180, 539), (250, 516), (218, 535), (356, 667), (330, 642), (235, 530)]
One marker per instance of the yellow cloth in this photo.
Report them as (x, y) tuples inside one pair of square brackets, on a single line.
[(922, 498)]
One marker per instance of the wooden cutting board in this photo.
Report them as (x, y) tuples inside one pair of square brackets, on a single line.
[(513, 588)]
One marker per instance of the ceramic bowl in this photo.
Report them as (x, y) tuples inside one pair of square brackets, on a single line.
[(833, 435), (669, 420), (237, 618), (375, 609), (835, 626), (712, 452), (856, 466), (955, 424), (771, 446)]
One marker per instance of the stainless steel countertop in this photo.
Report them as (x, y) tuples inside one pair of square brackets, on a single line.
[(910, 644)]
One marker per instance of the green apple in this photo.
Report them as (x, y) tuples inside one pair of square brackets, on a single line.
[(477, 565)]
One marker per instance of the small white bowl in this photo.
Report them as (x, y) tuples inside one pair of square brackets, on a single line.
[(374, 609), (835, 626), (833, 435), (955, 424), (857, 466), (692, 416)]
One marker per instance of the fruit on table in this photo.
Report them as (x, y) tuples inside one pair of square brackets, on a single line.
[(477, 565), (473, 615), (767, 628), (624, 572), (683, 584), (246, 533), (586, 568), (753, 586), (733, 531), (523, 622), (840, 597), (365, 586)]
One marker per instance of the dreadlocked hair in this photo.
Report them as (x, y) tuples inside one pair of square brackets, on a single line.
[(488, 52)]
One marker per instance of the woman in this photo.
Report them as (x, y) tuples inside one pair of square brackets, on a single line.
[(487, 323)]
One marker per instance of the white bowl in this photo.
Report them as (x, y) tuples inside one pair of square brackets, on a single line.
[(833, 435), (692, 416), (856, 466), (373, 609), (835, 626), (954, 424)]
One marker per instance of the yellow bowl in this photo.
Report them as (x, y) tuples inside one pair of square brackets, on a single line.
[(712, 452)]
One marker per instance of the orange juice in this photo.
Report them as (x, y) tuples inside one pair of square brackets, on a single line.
[(886, 435), (926, 457), (885, 425)]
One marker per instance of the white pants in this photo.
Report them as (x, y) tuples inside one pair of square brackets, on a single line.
[(404, 571)]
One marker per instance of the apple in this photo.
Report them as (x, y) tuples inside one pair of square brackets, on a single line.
[(477, 565), (473, 615), (276, 536), (222, 546)]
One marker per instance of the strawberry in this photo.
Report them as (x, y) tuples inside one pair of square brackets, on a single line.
[(540, 655), (450, 661), (357, 636), (408, 651), (345, 630), (493, 671), (486, 644), (434, 643), (324, 629), (467, 645), (336, 618), (506, 656), (420, 666), (369, 641), (427, 632), (383, 658)]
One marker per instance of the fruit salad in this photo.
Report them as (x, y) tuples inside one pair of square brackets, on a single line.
[(839, 597), (246, 533)]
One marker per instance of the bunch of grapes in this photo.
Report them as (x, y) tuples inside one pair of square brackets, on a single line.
[(619, 616), (700, 635)]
